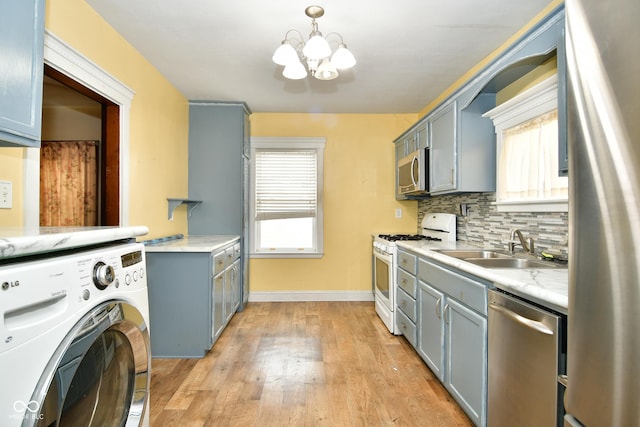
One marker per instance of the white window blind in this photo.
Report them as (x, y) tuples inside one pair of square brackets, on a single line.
[(286, 184)]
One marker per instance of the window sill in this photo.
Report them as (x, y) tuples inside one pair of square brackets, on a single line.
[(533, 206), (286, 255)]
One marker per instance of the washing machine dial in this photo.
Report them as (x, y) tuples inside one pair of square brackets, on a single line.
[(103, 275)]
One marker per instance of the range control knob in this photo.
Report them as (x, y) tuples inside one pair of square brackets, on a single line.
[(103, 275)]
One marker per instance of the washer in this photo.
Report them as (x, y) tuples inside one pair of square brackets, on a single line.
[(74, 338)]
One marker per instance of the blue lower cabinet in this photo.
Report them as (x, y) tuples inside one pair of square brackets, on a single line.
[(452, 333), (466, 347)]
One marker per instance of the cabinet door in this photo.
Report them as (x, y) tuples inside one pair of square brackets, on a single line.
[(400, 153), (431, 328), (422, 138), (466, 359), (21, 71), (236, 287), (229, 294), (218, 305), (443, 169), (563, 149)]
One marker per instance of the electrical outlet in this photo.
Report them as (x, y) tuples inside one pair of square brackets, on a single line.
[(398, 212), (6, 195)]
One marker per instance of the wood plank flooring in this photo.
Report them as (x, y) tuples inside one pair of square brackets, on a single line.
[(302, 364)]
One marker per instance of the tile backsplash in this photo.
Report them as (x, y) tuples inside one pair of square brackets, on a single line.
[(486, 227)]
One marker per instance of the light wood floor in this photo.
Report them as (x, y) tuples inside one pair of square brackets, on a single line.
[(302, 364)]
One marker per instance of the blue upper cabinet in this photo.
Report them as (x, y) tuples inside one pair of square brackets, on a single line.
[(21, 71)]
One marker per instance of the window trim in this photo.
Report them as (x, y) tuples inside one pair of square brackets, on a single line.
[(315, 143), (535, 101)]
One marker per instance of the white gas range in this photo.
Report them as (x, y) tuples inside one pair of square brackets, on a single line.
[(435, 227)]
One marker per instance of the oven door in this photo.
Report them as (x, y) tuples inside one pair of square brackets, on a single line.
[(384, 288)]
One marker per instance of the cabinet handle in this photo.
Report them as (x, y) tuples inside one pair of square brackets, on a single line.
[(446, 308), (452, 172), (404, 281), (438, 308), (403, 304), (403, 261)]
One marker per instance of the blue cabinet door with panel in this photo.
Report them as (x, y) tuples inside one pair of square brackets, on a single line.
[(431, 328), (442, 128), (219, 174), (466, 359), (21, 71)]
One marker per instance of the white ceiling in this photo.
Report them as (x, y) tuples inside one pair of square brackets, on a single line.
[(408, 51)]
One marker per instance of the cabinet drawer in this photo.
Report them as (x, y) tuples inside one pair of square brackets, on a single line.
[(407, 305), (464, 289), (407, 282), (229, 255), (218, 262), (407, 261), (407, 327)]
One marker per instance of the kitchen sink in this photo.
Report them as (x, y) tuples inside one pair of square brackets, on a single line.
[(464, 254), (510, 263), (496, 259)]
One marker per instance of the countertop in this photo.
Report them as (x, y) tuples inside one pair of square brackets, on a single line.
[(548, 287), (21, 241), (193, 244)]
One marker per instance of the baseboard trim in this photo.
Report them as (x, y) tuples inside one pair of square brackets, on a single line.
[(283, 296)]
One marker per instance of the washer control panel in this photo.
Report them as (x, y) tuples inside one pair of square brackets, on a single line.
[(37, 293)]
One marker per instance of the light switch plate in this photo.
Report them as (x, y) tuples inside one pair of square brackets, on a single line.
[(6, 195)]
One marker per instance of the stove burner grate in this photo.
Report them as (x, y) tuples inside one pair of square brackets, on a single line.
[(396, 237)]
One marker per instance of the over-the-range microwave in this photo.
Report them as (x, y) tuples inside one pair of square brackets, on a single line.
[(413, 174)]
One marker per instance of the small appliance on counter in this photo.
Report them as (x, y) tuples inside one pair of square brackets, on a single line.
[(435, 227)]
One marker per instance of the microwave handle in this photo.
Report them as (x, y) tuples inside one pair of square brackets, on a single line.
[(413, 165)]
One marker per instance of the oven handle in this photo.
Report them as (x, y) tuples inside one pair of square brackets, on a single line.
[(387, 258)]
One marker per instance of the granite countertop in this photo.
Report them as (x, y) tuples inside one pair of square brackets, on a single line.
[(545, 286), (192, 244), (21, 241)]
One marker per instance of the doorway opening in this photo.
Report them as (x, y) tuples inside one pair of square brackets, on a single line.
[(80, 133)]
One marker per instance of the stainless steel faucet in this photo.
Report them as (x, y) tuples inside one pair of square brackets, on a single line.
[(528, 247)]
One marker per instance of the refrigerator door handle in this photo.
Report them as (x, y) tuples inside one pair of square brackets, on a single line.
[(532, 324), (563, 379)]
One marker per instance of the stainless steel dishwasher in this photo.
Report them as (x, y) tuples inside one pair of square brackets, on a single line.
[(526, 353)]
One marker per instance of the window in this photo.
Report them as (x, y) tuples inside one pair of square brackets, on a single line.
[(527, 152), (286, 197)]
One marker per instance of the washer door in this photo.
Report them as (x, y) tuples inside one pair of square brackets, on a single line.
[(99, 376)]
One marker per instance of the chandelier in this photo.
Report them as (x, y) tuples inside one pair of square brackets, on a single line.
[(316, 52)]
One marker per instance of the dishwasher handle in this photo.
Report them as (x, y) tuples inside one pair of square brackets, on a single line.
[(533, 324)]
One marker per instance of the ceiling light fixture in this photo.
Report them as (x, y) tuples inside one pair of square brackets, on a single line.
[(316, 52)]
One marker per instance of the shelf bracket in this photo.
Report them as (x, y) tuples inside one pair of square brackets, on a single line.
[(174, 203)]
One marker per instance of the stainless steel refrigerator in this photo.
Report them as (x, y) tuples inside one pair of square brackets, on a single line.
[(603, 355)]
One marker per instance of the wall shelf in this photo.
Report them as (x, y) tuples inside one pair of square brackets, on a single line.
[(174, 203)]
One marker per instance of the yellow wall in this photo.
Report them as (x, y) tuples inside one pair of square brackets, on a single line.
[(359, 199), (11, 170), (527, 81), (158, 121)]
